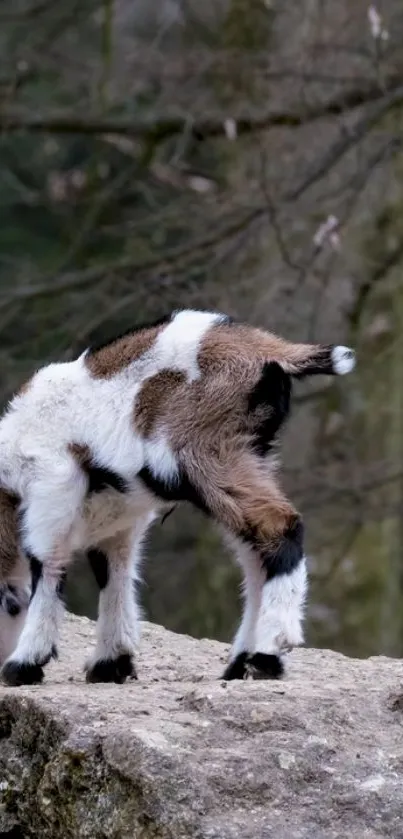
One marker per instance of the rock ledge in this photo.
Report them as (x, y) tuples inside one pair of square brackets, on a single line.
[(182, 754)]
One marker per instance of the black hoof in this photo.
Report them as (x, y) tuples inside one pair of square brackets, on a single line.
[(15, 674), (112, 670), (265, 666), (256, 666), (237, 668)]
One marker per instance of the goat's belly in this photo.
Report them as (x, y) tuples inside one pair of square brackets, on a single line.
[(109, 512)]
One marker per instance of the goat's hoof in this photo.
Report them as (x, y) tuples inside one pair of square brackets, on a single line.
[(254, 666), (236, 669), (265, 666), (17, 673), (115, 670)]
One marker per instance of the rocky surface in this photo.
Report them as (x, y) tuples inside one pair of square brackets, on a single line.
[(181, 754)]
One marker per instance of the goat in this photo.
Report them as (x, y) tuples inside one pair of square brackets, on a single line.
[(92, 450)]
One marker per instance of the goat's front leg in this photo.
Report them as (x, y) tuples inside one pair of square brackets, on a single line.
[(47, 523), (37, 642), (115, 566)]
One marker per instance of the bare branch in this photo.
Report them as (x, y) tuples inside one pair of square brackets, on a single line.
[(348, 139), (83, 279), (158, 129)]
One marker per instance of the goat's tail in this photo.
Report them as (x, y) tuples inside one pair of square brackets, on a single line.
[(333, 360), (301, 360)]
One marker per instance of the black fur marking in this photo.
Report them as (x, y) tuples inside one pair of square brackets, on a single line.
[(16, 674), (112, 670), (270, 398), (9, 600), (237, 668), (319, 364), (100, 478), (99, 345), (256, 665), (286, 557), (61, 585), (27, 673), (173, 491), (265, 666), (36, 572), (99, 566)]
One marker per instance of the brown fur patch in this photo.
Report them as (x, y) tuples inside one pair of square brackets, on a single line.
[(209, 429), (226, 343), (9, 541), (154, 394), (81, 453), (213, 410), (242, 491), (114, 357)]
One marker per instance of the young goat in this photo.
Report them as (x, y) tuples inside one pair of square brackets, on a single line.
[(92, 450)]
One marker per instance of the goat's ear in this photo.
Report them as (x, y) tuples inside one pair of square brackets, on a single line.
[(9, 542)]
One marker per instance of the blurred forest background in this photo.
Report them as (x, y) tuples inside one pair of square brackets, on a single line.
[(240, 155)]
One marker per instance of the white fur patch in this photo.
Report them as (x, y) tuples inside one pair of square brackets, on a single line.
[(253, 583), (42, 624), (178, 344), (279, 624), (343, 359), (160, 459)]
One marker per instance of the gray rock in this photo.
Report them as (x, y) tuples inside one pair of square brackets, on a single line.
[(181, 754)]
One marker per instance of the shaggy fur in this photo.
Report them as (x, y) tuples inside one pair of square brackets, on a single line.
[(91, 451)]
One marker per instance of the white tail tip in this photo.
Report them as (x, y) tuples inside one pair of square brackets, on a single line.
[(343, 359)]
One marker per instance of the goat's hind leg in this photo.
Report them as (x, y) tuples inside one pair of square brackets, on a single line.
[(279, 621), (257, 513), (253, 582), (272, 619)]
